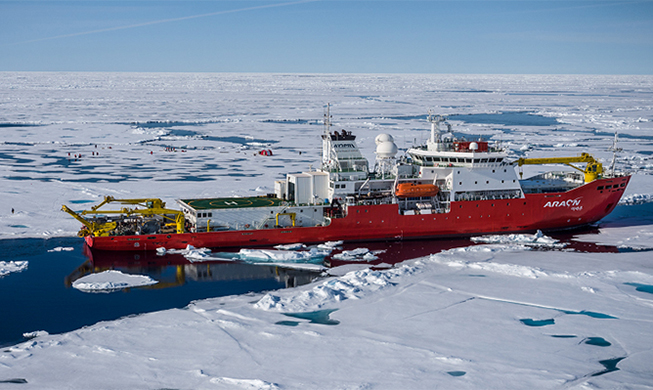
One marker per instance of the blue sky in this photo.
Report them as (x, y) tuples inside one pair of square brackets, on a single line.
[(329, 36)]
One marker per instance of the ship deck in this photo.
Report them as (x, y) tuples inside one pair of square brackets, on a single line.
[(231, 203)]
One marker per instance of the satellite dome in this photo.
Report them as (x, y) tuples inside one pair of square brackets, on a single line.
[(386, 149), (473, 146), (383, 138)]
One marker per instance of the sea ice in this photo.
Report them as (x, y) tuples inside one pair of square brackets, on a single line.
[(61, 249), (7, 267), (264, 255), (537, 239), (426, 321), (109, 281)]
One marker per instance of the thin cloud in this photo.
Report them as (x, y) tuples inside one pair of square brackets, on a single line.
[(165, 21)]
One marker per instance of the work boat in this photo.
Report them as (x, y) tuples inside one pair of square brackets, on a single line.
[(446, 187)]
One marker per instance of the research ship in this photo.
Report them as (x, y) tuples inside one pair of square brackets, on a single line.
[(447, 187)]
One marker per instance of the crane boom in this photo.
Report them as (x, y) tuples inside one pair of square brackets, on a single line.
[(593, 170), (153, 207)]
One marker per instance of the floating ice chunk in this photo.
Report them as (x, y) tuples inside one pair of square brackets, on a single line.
[(259, 255), (61, 249), (7, 267), (37, 333), (201, 254), (351, 255), (636, 199), (358, 254), (191, 253), (109, 281), (332, 244), (290, 247), (538, 239)]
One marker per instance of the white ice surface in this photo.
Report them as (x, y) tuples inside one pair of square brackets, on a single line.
[(7, 267), (278, 255), (110, 281), (412, 326), (538, 239), (406, 327)]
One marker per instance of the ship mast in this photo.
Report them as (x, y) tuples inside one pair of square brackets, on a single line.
[(326, 139), (614, 149), (435, 141)]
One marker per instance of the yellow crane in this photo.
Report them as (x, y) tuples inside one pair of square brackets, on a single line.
[(593, 170), (152, 207)]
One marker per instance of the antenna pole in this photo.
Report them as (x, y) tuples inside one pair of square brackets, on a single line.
[(614, 149)]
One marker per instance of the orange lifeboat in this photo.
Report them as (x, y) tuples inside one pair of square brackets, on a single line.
[(412, 190)]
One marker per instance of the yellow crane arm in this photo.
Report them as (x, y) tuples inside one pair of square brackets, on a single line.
[(86, 223), (93, 228), (145, 202), (152, 206), (180, 220), (593, 170)]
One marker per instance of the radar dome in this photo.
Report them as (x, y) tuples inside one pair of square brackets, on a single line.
[(473, 146), (383, 138), (386, 149)]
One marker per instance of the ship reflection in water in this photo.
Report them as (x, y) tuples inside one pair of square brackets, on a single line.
[(174, 270)]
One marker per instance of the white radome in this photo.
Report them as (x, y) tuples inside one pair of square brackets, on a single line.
[(381, 138), (386, 149)]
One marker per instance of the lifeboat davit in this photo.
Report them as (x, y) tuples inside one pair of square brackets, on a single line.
[(412, 190)]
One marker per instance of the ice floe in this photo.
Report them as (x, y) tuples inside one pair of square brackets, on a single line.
[(62, 249), (109, 281), (636, 199), (537, 239), (290, 247), (265, 255), (7, 267), (358, 254)]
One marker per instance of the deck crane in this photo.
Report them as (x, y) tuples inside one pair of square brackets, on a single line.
[(593, 170), (152, 207)]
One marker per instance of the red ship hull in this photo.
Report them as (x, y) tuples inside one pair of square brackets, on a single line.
[(548, 211)]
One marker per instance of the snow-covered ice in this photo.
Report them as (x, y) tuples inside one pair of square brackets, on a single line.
[(535, 240), (7, 267), (110, 281), (61, 249), (358, 254), (278, 255), (499, 314)]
